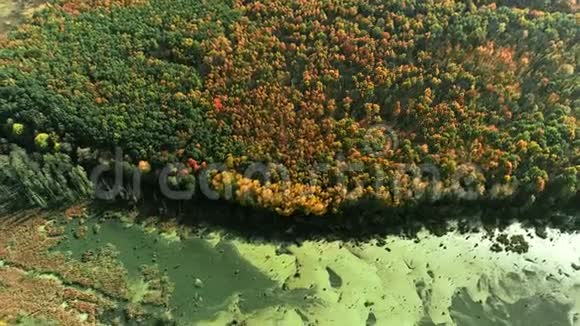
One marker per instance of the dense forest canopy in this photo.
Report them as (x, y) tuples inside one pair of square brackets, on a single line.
[(399, 101)]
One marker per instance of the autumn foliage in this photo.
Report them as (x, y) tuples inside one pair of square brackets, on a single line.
[(484, 94)]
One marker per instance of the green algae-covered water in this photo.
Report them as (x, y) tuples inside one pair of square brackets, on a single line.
[(454, 279), (208, 274)]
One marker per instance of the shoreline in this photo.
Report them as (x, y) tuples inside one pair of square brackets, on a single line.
[(360, 221)]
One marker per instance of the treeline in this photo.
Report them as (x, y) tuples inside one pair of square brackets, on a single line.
[(546, 5)]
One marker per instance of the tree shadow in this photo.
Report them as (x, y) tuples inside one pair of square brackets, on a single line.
[(360, 221)]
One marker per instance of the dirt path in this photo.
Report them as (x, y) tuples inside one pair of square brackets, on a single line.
[(12, 12)]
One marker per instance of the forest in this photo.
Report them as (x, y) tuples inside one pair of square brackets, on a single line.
[(296, 107)]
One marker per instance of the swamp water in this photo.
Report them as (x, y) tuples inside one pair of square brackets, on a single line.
[(453, 279)]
